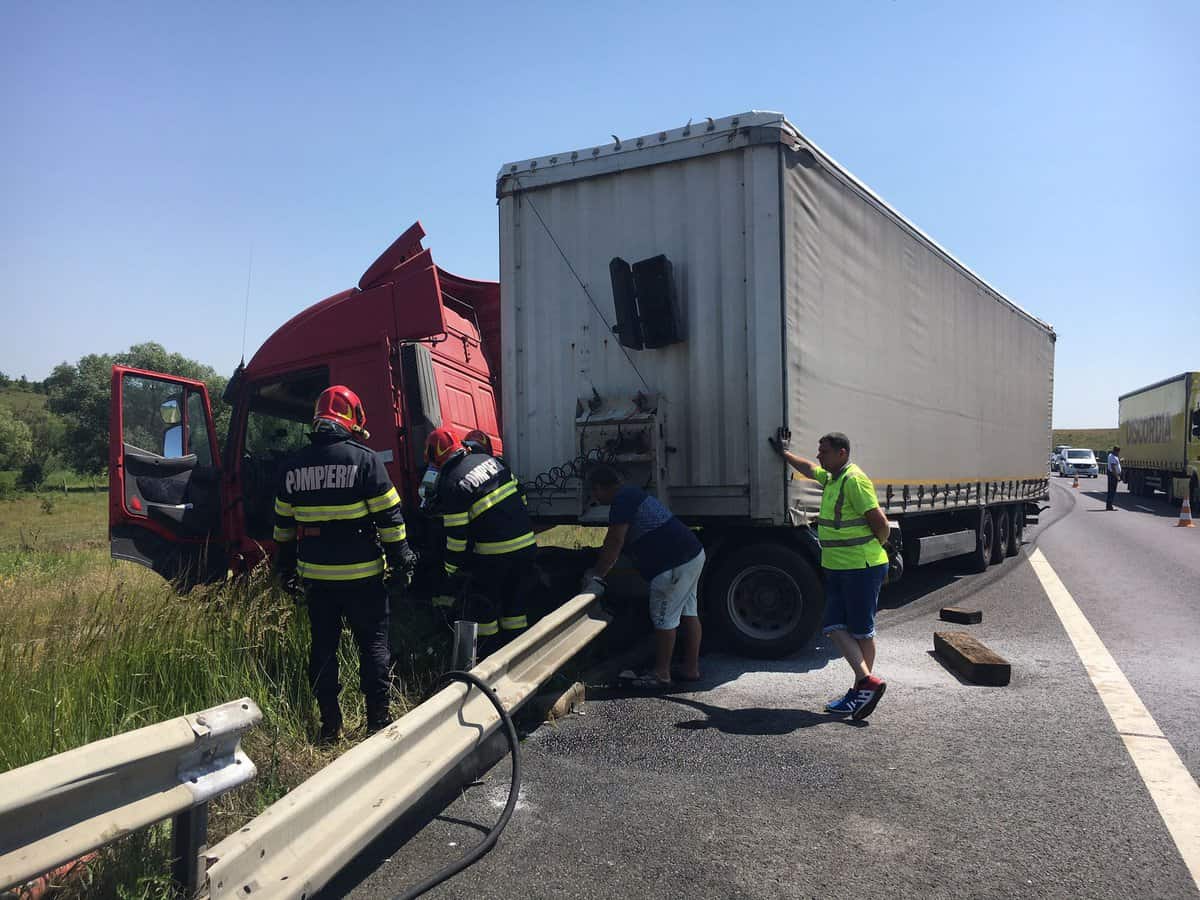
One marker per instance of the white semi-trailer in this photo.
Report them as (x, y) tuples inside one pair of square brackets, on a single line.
[(669, 301)]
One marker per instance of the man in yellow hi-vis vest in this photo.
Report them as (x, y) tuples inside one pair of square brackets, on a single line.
[(853, 532)]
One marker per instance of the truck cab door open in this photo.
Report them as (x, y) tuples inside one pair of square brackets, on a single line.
[(164, 502)]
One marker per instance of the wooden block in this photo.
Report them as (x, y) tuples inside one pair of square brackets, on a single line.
[(971, 659), (961, 616), (555, 704)]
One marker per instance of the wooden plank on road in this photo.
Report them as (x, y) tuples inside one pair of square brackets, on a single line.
[(961, 616), (971, 659)]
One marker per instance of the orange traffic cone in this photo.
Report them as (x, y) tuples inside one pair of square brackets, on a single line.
[(1076, 484), (1185, 515)]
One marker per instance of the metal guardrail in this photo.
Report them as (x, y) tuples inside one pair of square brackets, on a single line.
[(301, 842), (57, 809)]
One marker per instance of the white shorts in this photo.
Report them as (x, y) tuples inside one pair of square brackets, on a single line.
[(673, 593)]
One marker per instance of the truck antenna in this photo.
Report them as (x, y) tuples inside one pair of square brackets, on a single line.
[(246, 313)]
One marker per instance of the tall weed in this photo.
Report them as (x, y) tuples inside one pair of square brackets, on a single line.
[(90, 648)]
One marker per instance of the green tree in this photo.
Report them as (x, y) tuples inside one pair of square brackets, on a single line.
[(16, 443), (81, 394)]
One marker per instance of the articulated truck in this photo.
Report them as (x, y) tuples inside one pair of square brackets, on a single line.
[(1160, 438), (665, 304)]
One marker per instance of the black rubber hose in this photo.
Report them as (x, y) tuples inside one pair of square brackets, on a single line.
[(514, 789)]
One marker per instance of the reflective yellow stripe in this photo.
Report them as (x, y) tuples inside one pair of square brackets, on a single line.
[(443, 600), (456, 545), (383, 501), (348, 572), (497, 548), (283, 509), (482, 505), (284, 534), (330, 513), (486, 629), (451, 568), (453, 520), (393, 534), (514, 623)]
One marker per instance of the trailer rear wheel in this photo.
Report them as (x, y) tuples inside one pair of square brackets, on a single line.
[(766, 599), (1002, 521), (1016, 529), (985, 538)]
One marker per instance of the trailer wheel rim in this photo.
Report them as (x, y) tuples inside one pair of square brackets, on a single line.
[(764, 602)]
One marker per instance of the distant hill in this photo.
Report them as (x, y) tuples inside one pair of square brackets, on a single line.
[(20, 401), (1091, 438)]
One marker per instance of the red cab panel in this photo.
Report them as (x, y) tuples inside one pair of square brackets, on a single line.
[(164, 504)]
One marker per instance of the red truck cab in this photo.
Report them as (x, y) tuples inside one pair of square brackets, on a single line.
[(412, 340)]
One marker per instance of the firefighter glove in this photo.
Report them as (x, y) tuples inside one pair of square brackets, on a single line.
[(289, 582), (592, 583)]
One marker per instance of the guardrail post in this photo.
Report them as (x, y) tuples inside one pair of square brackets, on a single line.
[(189, 843), (466, 635)]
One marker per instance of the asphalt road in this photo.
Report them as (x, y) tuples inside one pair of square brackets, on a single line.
[(743, 788)]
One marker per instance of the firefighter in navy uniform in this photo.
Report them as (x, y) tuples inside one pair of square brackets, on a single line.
[(334, 510), (489, 537)]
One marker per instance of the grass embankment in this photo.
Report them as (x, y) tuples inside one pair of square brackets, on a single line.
[(92, 648), (1087, 438)]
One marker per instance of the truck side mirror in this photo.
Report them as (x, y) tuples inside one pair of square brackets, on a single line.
[(629, 326), (655, 282), (645, 303), (169, 412), (172, 442)]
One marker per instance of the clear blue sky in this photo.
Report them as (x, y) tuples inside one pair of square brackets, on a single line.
[(147, 148)]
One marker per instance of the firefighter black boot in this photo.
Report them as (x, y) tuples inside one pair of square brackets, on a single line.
[(331, 722), (379, 714)]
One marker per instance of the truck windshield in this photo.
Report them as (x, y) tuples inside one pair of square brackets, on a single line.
[(277, 422)]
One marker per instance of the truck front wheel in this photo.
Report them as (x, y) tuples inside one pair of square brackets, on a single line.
[(766, 599)]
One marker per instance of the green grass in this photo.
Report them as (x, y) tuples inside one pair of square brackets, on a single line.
[(19, 401), (572, 537), (1087, 438), (92, 648)]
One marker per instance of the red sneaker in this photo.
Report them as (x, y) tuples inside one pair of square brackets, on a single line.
[(866, 696)]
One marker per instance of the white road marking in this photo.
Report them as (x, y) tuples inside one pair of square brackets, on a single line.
[(1171, 786), (1145, 508)]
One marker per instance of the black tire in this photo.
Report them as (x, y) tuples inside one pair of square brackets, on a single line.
[(766, 599), (1001, 522), (1016, 529), (981, 558)]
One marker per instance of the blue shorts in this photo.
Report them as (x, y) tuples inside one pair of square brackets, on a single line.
[(851, 596)]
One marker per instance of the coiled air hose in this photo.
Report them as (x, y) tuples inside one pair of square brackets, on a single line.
[(489, 841)]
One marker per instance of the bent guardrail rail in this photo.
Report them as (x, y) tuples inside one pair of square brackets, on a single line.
[(57, 809), (302, 841)]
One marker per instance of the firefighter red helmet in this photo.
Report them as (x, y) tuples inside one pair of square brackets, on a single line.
[(478, 441), (340, 405), (441, 446)]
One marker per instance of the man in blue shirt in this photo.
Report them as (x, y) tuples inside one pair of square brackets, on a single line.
[(667, 555)]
